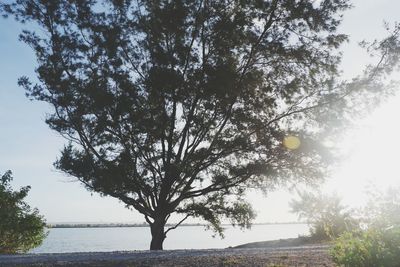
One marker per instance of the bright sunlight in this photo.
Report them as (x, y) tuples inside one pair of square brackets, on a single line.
[(371, 155)]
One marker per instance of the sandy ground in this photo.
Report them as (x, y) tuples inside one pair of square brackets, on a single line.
[(314, 255)]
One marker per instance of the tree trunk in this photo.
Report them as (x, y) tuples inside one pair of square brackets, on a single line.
[(157, 234)]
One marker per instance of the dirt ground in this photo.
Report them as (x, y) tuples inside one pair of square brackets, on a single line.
[(313, 256)]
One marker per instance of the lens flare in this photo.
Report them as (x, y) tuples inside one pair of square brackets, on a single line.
[(291, 142)]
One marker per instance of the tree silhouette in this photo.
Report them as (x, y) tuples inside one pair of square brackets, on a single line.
[(180, 106)]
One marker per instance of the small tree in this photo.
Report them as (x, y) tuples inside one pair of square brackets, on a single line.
[(21, 228), (326, 215), (180, 106), (383, 208)]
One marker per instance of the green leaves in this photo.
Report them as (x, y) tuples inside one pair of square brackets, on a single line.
[(370, 248), (21, 228), (379, 243), (214, 208)]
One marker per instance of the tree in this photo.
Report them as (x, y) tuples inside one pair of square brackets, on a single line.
[(177, 107), (21, 228), (328, 217), (382, 210)]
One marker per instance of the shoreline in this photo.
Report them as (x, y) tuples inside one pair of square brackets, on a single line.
[(284, 252), (314, 255)]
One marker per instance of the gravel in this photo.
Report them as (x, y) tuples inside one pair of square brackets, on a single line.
[(314, 255)]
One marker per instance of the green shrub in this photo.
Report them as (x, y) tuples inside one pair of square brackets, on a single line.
[(370, 248), (21, 228)]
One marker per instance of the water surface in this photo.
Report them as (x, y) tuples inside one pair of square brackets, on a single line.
[(138, 238)]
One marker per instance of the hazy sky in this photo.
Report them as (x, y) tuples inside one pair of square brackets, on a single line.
[(28, 147)]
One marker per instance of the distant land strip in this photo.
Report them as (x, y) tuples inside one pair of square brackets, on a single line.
[(105, 225)]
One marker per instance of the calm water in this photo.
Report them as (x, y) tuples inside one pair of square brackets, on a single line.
[(138, 238)]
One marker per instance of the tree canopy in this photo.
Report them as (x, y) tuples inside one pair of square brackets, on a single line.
[(180, 106), (21, 228)]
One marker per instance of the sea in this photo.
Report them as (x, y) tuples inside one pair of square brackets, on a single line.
[(62, 240)]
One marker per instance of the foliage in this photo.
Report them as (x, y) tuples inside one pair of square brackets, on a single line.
[(180, 106), (379, 244), (21, 228), (325, 213), (370, 248)]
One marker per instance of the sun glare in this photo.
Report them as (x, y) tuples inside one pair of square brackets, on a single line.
[(291, 142), (371, 156)]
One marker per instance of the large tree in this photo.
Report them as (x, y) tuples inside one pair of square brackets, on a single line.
[(180, 106)]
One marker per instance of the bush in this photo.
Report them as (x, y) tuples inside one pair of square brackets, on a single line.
[(370, 248), (21, 228)]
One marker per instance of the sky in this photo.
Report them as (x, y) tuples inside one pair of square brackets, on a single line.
[(29, 148)]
